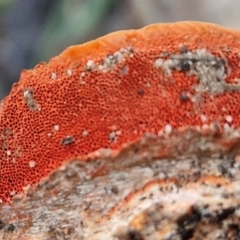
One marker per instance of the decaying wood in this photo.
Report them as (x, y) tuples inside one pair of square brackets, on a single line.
[(185, 185)]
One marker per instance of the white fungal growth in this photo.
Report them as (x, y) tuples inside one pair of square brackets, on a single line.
[(27, 94), (53, 76), (69, 72), (56, 128), (113, 135), (165, 65), (90, 65), (113, 59), (26, 188), (135, 131), (229, 118), (9, 153), (168, 128), (203, 118), (85, 133), (210, 70), (148, 84), (31, 102), (224, 109), (82, 74), (82, 81), (31, 164), (13, 193), (158, 63)]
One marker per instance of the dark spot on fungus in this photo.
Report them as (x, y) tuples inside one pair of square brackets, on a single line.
[(67, 140), (218, 63), (31, 102), (183, 49), (183, 97), (185, 65), (140, 92)]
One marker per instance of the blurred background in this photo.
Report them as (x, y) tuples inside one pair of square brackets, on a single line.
[(35, 30)]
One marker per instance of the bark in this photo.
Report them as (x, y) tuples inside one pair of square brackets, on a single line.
[(183, 185)]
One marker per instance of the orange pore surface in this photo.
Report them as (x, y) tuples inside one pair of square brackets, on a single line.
[(112, 90)]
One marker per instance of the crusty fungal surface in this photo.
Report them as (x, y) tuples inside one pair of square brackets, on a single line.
[(111, 91)]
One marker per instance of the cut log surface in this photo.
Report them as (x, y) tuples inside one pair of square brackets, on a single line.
[(181, 186)]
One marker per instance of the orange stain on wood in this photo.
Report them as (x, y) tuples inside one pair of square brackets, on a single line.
[(111, 91)]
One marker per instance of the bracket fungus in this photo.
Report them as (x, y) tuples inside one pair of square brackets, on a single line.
[(113, 90)]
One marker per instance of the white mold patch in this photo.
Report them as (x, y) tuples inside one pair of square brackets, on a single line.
[(31, 164), (56, 127), (69, 72), (111, 60), (211, 71), (9, 153), (168, 129), (90, 65), (229, 118), (203, 118), (85, 133), (29, 98), (81, 78), (113, 136), (13, 193), (53, 76)]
